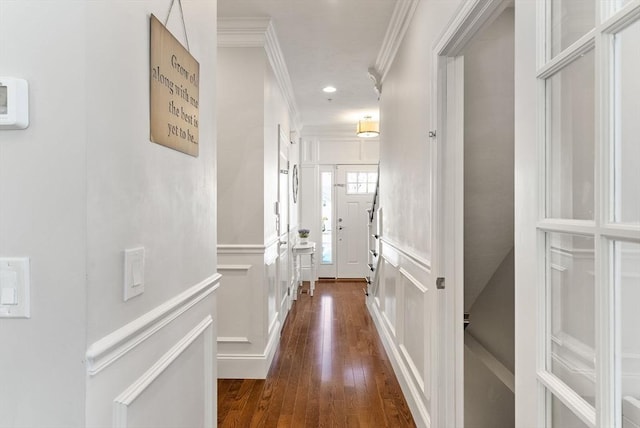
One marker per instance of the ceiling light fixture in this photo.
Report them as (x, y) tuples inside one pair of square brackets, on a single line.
[(367, 128), (329, 89)]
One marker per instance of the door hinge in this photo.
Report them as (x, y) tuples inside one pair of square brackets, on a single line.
[(284, 171), (440, 283)]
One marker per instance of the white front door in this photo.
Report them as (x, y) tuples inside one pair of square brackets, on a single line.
[(355, 187), (285, 279), (578, 236)]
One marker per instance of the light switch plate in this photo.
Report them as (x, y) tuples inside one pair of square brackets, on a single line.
[(133, 272), (15, 287)]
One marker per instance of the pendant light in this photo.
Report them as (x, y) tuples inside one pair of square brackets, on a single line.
[(367, 128)]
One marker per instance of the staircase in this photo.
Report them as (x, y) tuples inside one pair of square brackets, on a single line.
[(373, 241)]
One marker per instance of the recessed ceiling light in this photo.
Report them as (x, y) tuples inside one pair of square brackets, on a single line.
[(329, 89)]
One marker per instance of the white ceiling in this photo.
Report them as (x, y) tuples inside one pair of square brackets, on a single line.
[(325, 42)]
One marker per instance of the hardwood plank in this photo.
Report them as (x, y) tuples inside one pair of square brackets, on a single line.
[(330, 370)]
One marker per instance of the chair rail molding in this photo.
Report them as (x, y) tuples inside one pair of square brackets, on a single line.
[(109, 349), (419, 260)]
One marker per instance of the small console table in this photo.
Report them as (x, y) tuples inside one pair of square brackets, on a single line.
[(299, 250)]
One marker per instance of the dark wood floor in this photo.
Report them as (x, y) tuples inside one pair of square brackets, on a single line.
[(330, 370)]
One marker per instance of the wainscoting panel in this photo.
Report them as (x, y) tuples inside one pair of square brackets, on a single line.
[(250, 310), (175, 378), (402, 311), (390, 280), (164, 359), (414, 346)]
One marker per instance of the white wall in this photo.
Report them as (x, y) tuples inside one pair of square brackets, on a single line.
[(43, 211), (241, 144), (275, 113), (405, 109), (488, 153), (496, 408), (488, 220), (404, 309), (92, 185), (252, 298)]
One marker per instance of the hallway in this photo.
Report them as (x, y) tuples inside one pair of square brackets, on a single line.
[(330, 370)]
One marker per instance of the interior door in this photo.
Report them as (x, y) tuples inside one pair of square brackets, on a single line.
[(355, 187), (580, 253), (285, 274)]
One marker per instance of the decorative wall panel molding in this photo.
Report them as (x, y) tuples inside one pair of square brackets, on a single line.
[(234, 267), (114, 346), (249, 365), (412, 280), (417, 377), (419, 260), (123, 402), (238, 339), (241, 249), (411, 390)]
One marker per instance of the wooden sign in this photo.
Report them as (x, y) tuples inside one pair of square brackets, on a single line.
[(174, 94)]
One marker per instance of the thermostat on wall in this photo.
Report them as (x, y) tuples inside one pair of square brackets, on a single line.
[(14, 103)]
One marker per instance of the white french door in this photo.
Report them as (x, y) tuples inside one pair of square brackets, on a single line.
[(587, 248)]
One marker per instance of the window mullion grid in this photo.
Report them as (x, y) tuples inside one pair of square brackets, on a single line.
[(569, 398)]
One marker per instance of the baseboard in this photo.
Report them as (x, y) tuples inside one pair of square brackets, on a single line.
[(410, 390), (250, 366)]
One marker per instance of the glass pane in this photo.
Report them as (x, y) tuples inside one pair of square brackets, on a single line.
[(362, 177), (371, 187), (627, 278), (352, 188), (570, 20), (627, 106), (571, 312), (373, 177), (571, 142), (562, 417), (352, 177), (326, 182)]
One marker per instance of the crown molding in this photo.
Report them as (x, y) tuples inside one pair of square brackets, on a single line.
[(259, 32), (400, 20)]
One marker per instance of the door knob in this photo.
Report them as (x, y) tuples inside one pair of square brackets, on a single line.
[(340, 228)]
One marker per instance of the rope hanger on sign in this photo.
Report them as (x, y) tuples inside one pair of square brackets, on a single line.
[(184, 26)]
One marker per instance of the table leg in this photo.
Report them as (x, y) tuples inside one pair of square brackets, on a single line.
[(296, 278), (312, 280)]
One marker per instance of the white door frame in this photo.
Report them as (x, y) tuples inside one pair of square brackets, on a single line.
[(448, 225)]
